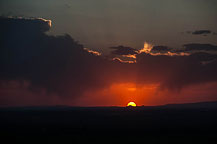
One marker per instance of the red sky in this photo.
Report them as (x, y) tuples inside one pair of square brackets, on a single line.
[(41, 69)]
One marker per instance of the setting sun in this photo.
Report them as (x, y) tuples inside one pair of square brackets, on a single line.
[(133, 104)]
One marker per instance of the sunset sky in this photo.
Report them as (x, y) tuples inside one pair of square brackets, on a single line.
[(107, 52)]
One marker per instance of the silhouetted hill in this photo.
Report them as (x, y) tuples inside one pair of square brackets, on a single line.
[(173, 123), (206, 105), (198, 105)]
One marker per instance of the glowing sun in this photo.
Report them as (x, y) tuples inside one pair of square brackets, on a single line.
[(132, 104)]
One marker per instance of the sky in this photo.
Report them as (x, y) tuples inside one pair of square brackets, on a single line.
[(107, 52), (100, 24)]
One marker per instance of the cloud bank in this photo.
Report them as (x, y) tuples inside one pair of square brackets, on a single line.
[(58, 67)]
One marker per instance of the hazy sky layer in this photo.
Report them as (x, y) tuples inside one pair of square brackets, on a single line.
[(99, 24)]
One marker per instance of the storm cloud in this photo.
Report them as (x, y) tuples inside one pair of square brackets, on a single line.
[(60, 65), (57, 63)]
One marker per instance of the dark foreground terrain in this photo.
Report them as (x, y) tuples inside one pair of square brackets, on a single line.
[(187, 123)]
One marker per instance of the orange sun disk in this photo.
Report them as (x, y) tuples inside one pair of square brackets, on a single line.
[(132, 104)]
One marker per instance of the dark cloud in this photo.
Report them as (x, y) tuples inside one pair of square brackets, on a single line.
[(201, 32), (196, 46), (16, 25), (203, 56), (177, 72), (57, 63), (160, 49), (122, 50), (60, 65)]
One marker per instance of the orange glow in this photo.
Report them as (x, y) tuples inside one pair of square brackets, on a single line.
[(123, 61), (171, 54), (120, 94), (130, 56), (147, 48), (125, 92), (93, 52), (131, 89), (131, 104), (49, 22)]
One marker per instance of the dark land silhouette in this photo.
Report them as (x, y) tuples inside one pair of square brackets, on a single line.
[(179, 123)]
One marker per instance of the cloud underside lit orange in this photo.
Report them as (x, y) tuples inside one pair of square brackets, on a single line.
[(57, 70)]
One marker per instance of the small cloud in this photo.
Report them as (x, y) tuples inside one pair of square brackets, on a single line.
[(130, 56), (116, 59), (93, 52), (214, 33), (147, 48), (201, 32), (161, 49), (123, 50)]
